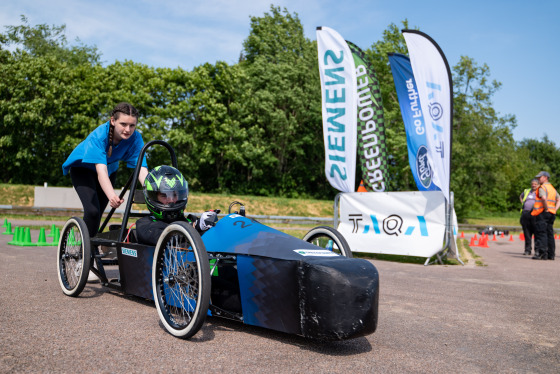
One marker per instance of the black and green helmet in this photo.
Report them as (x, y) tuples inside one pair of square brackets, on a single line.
[(166, 192)]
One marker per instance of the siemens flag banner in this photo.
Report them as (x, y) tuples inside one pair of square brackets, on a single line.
[(339, 102), (418, 156), (435, 90)]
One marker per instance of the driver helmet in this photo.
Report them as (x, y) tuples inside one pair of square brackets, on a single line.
[(166, 192)]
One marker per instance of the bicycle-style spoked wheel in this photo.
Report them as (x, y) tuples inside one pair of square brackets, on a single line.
[(181, 280), (73, 257), (328, 238)]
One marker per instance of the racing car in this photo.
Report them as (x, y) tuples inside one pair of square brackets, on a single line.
[(489, 230), (239, 269)]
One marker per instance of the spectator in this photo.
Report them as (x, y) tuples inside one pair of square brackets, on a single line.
[(527, 221), (544, 211)]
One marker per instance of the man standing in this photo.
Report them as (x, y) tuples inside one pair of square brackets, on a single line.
[(527, 221), (544, 211)]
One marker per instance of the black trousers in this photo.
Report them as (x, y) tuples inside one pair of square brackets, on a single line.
[(545, 244), (94, 200), (528, 224)]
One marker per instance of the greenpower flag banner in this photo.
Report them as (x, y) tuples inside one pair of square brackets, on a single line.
[(372, 150)]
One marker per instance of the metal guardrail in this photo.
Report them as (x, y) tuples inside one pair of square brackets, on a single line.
[(69, 212), (268, 218)]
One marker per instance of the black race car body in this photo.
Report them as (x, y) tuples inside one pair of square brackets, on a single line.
[(264, 277)]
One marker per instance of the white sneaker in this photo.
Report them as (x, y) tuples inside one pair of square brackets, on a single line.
[(92, 278)]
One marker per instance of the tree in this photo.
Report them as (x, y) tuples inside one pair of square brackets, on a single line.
[(44, 40), (485, 162), (281, 65), (43, 98)]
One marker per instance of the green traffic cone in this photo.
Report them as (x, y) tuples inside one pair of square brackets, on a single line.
[(9, 230), (56, 237), (5, 222), (42, 241), (27, 238), (53, 228), (14, 239), (17, 236)]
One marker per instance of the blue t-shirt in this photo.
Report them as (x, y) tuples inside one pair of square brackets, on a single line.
[(93, 150)]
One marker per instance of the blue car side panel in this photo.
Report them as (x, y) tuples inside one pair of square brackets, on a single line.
[(241, 235), (269, 294)]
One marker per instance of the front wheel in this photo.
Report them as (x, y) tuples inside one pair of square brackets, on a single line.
[(181, 280), (73, 257), (328, 238)]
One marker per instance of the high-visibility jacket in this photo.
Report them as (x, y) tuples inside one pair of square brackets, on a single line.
[(550, 200), (525, 194)]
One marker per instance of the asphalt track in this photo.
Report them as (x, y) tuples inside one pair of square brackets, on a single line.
[(503, 317)]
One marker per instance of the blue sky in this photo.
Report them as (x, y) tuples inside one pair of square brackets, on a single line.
[(518, 40)]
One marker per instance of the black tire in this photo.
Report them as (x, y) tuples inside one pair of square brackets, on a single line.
[(73, 257), (181, 280), (329, 238)]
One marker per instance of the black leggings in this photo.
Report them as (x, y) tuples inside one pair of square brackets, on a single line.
[(91, 194)]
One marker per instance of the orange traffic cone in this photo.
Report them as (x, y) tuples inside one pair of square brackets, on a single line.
[(473, 242), (501, 236), (362, 188), (462, 235), (484, 243), (521, 236), (494, 238), (475, 238), (511, 238)]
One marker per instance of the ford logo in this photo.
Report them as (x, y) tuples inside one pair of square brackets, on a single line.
[(423, 169)]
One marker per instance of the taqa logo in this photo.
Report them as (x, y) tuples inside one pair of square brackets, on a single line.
[(391, 225), (423, 169)]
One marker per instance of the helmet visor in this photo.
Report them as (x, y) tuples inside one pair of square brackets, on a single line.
[(168, 199)]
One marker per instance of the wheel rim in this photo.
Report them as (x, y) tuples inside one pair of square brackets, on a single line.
[(178, 289), (71, 257)]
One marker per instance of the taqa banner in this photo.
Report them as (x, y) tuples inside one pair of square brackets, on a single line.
[(372, 149), (435, 90), (399, 223), (413, 119), (338, 92)]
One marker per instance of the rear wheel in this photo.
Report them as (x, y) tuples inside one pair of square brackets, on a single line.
[(73, 257), (328, 238), (181, 280)]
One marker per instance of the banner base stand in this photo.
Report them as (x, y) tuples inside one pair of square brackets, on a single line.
[(440, 256), (437, 258)]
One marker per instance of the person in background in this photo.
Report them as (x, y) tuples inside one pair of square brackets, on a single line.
[(544, 211), (527, 221)]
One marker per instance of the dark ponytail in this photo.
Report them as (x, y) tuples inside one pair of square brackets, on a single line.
[(111, 131), (124, 108)]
